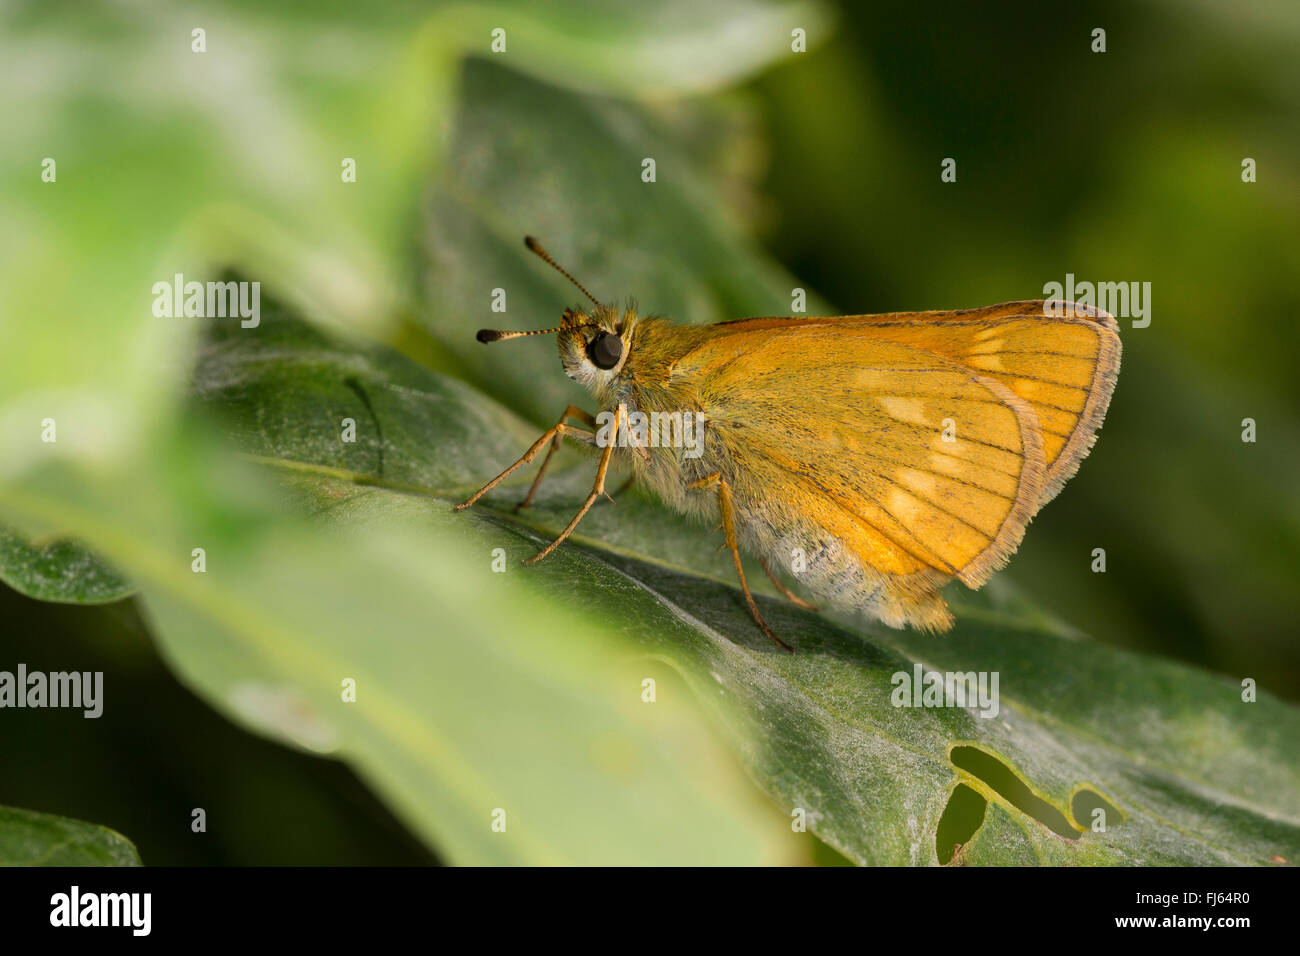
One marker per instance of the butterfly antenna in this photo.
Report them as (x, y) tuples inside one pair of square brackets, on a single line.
[(536, 247), (500, 335)]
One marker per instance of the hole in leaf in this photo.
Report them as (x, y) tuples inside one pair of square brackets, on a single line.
[(1008, 785), (1085, 805), (963, 815)]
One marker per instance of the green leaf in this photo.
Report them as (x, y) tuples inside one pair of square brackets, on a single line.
[(236, 151), (58, 570), (28, 838), (670, 48), (1196, 775)]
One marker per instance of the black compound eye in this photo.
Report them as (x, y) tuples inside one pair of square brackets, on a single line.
[(605, 350)]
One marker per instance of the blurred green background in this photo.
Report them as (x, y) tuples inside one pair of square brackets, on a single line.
[(1122, 166)]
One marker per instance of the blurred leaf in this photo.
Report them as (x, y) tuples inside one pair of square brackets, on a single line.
[(140, 769), (58, 570), (28, 838), (670, 48), (168, 160), (1198, 776)]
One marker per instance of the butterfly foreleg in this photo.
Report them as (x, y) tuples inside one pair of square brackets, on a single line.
[(573, 411), (728, 510), (554, 434), (598, 489)]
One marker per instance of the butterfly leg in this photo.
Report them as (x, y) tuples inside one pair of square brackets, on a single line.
[(555, 433), (790, 595), (573, 411), (729, 529), (598, 489)]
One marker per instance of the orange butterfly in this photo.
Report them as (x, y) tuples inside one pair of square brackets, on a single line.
[(876, 457)]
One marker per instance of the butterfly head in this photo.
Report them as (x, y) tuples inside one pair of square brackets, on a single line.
[(594, 345)]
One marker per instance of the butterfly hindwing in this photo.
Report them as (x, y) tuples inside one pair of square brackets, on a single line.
[(900, 459)]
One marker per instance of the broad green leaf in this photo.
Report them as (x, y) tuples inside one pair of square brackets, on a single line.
[(1196, 775), (58, 569), (28, 838)]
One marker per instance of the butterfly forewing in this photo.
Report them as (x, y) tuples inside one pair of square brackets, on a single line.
[(1060, 357), (1063, 365)]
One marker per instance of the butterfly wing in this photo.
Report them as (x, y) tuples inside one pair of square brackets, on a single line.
[(878, 447), (1062, 358)]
